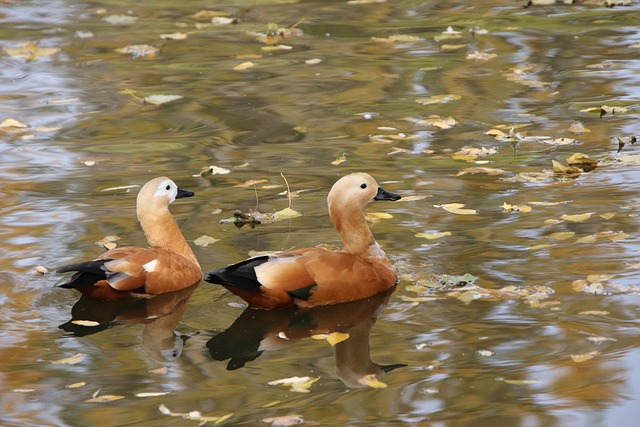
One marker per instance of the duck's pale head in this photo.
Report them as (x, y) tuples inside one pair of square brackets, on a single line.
[(357, 190)]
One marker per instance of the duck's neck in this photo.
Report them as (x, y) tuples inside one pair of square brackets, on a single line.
[(162, 231), (356, 235)]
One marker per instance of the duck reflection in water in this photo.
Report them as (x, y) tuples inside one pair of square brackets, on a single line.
[(159, 314), (256, 331)]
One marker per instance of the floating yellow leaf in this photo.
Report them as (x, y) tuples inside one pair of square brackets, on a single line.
[(89, 323), (412, 198), (77, 385), (521, 382), (372, 381), (515, 208), (152, 394), (12, 124), (284, 421), (243, 66), (578, 128), (104, 398), (560, 169), (286, 213), (582, 161), (458, 209), (139, 50), (297, 384), (205, 241), (482, 169), (438, 99), (433, 236), (481, 56), (70, 360), (595, 313), (591, 238), (579, 358), (30, 51), (194, 415), (607, 215), (332, 338), (161, 99), (577, 218), (340, 159), (173, 36)]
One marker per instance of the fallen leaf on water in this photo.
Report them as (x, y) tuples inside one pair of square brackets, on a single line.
[(482, 169), (457, 208), (340, 159), (173, 36), (396, 38), (223, 20), (398, 150), (579, 358), (104, 398), (139, 51), (569, 171), (450, 47), (213, 170), (161, 99), (286, 213), (449, 34), (76, 385), (438, 99), (297, 384), (284, 421), (70, 360), (595, 313), (376, 217), (591, 238), (88, 323), (206, 15), (515, 208), (578, 128), (372, 381), (560, 141), (578, 217), (522, 382), (582, 161), (332, 338), (433, 121), (607, 215), (433, 236), (12, 124), (412, 198), (120, 19), (600, 339), (194, 415), (163, 370), (561, 235), (244, 66), (613, 235), (481, 56), (30, 51), (205, 241), (152, 394), (468, 296), (40, 270)]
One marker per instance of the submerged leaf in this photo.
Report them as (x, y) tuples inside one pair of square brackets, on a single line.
[(139, 50), (284, 421), (579, 358), (104, 398)]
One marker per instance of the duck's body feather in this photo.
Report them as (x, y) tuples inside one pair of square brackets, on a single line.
[(167, 266), (313, 276)]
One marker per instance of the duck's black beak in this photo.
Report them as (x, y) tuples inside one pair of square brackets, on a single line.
[(385, 195), (184, 193)]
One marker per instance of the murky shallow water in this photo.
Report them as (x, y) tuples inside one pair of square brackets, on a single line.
[(499, 353)]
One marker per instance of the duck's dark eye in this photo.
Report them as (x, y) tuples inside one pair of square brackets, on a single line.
[(363, 186), (168, 187)]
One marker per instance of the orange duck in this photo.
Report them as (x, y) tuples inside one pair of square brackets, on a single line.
[(314, 276), (167, 265)]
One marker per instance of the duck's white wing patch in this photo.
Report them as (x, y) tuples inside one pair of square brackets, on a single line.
[(150, 266)]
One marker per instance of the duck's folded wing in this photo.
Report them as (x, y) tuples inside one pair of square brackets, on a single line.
[(158, 270)]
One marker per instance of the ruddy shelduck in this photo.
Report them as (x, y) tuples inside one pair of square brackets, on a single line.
[(314, 276), (167, 265)]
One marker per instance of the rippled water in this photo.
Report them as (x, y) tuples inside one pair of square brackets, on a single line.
[(547, 333)]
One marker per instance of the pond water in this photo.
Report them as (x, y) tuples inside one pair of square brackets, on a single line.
[(521, 316)]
